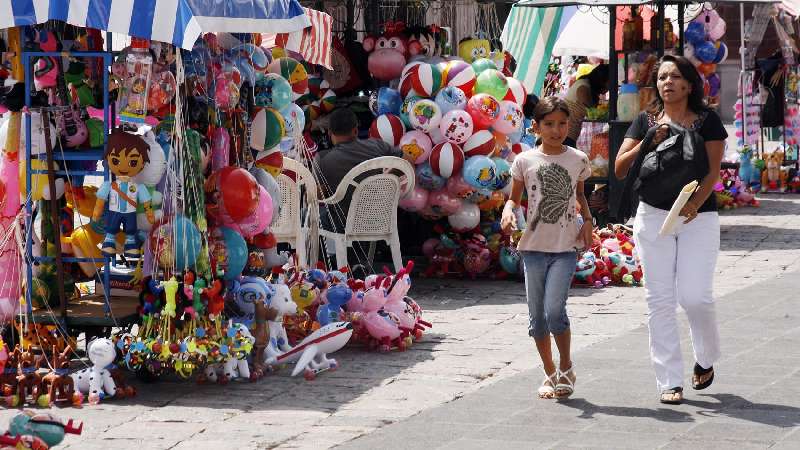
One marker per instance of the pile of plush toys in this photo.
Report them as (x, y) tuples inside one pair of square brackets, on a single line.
[(732, 191), (612, 259), (309, 314)]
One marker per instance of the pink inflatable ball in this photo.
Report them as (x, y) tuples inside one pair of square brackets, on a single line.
[(436, 136), (516, 91), (416, 146), (261, 217), (374, 299), (510, 119), (442, 203), (429, 247), (466, 218), (415, 201), (459, 188), (484, 110), (456, 126), (388, 128)]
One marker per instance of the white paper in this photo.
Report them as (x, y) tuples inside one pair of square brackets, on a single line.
[(672, 218)]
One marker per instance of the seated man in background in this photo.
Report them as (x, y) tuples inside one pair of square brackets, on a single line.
[(347, 152)]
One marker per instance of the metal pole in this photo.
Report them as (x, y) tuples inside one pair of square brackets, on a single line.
[(612, 64), (660, 34), (681, 12), (742, 50), (350, 32)]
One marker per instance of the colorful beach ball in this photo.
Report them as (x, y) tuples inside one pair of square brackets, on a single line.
[(416, 146), (516, 91), (461, 75), (492, 82), (405, 109), (456, 126), (270, 160), (267, 129), (451, 98), (482, 64), (425, 115), (480, 143), (479, 172), (446, 159), (406, 86), (388, 128), (328, 101), (426, 79), (293, 71), (510, 119), (484, 110), (272, 91)]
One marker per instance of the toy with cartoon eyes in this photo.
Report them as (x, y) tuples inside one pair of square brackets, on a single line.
[(471, 49), (388, 53)]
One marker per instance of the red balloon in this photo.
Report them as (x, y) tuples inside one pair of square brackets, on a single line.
[(484, 110), (239, 191)]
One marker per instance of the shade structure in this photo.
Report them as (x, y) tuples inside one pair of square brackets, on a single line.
[(529, 35), (179, 22)]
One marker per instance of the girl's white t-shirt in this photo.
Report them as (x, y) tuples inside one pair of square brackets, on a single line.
[(551, 181)]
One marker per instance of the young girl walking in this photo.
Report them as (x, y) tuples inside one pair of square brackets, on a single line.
[(553, 175)]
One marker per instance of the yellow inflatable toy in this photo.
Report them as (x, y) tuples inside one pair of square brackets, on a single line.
[(471, 49)]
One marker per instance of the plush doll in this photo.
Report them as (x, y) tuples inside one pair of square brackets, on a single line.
[(97, 380), (388, 53), (126, 154), (774, 178)]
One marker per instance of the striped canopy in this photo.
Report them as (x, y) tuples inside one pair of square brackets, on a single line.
[(529, 35), (179, 22)]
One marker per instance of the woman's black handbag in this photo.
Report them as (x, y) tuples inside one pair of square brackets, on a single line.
[(666, 169)]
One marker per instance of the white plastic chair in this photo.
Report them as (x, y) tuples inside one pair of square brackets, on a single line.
[(302, 235), (372, 215)]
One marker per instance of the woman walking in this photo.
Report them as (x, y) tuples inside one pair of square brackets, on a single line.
[(678, 267)]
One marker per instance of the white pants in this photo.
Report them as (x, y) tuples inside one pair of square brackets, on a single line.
[(678, 269)]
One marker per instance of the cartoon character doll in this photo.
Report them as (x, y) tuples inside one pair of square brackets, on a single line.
[(126, 155)]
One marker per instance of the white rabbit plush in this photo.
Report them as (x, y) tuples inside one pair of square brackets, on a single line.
[(96, 380)]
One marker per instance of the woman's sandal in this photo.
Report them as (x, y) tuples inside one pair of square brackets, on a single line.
[(672, 396), (548, 387), (565, 389), (702, 378)]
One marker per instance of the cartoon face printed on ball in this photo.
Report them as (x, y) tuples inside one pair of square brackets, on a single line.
[(456, 126)]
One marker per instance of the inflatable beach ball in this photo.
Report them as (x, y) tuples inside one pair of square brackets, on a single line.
[(416, 146), (272, 91), (425, 115), (446, 159), (385, 101), (451, 98), (426, 79), (510, 119), (388, 128), (480, 143), (516, 91), (480, 172), (267, 129), (492, 82), (456, 126), (293, 71), (461, 75), (484, 110), (270, 160)]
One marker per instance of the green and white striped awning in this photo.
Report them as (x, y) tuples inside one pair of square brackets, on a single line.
[(529, 35)]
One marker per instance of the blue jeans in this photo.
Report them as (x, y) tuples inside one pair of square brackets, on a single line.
[(547, 280)]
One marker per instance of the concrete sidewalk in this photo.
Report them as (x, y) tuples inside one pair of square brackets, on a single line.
[(753, 403)]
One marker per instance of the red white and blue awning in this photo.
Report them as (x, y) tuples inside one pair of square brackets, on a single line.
[(179, 22)]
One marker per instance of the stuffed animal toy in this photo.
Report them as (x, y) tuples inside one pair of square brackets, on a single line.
[(58, 386), (239, 344), (126, 155), (774, 177), (279, 305), (97, 380), (388, 53)]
